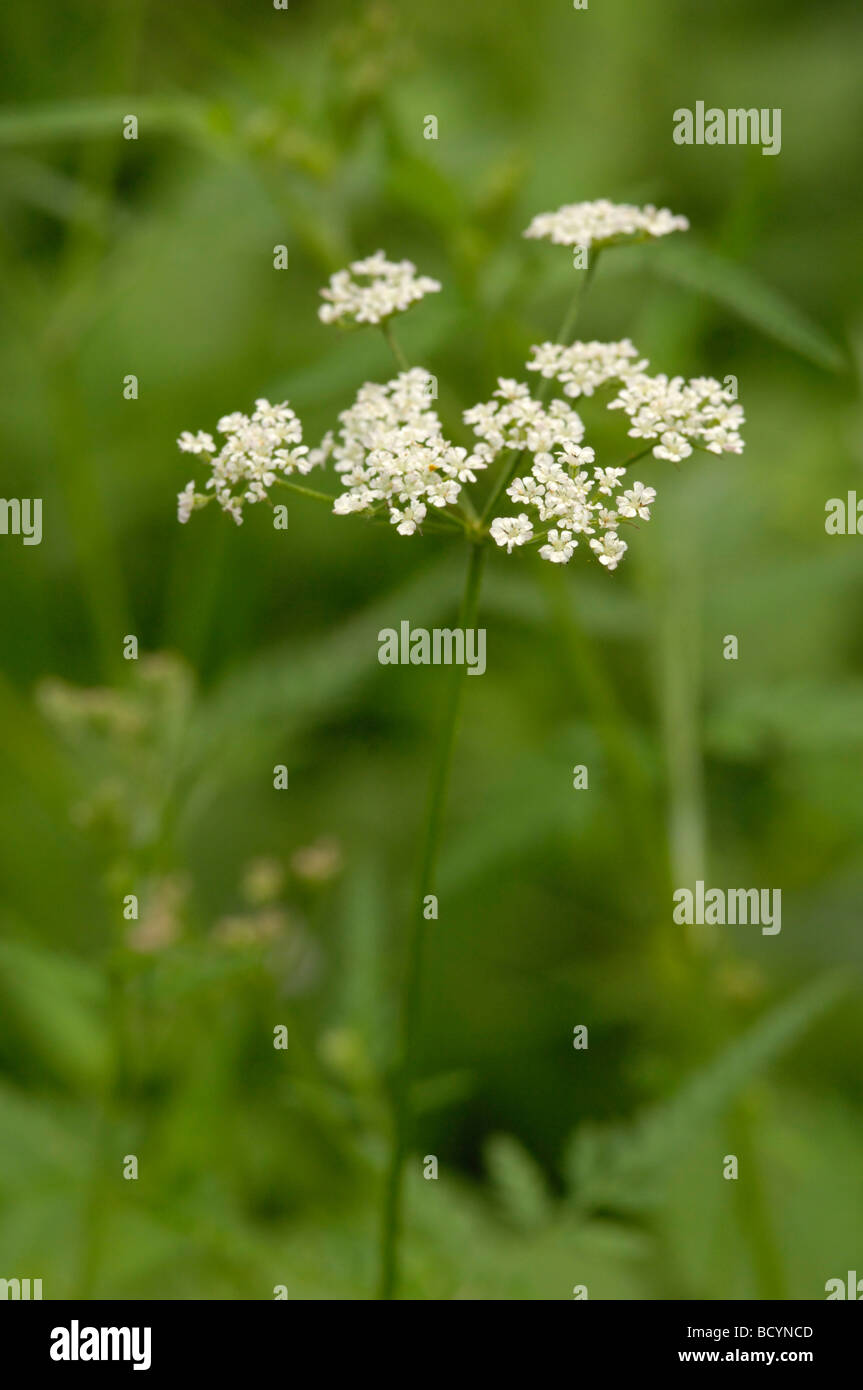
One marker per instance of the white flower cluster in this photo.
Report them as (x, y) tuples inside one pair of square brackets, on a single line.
[(582, 367), (516, 421), (372, 289), (257, 449), (675, 411), (391, 453), (602, 223), (392, 450), (561, 490)]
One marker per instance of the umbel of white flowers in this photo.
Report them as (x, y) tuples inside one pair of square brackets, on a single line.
[(370, 291), (392, 457), (602, 223)]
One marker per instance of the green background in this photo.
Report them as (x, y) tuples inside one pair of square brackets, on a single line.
[(558, 1167)]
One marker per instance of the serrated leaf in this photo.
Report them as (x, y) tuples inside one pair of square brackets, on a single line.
[(517, 1180), (626, 1167)]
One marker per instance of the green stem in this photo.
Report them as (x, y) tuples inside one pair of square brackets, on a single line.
[(306, 491), (411, 995), (571, 316), (103, 1172), (585, 672), (395, 349), (633, 458), (755, 1217), (433, 524), (505, 477)]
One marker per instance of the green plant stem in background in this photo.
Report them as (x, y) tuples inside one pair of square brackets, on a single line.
[(411, 989), (97, 1207), (571, 315), (753, 1203), (394, 347), (588, 676)]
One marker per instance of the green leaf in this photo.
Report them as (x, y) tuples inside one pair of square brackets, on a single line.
[(518, 1181), (797, 715), (72, 120), (627, 1167), (50, 1007), (746, 295)]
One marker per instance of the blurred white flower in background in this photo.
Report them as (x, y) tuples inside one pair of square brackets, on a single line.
[(369, 291), (602, 223)]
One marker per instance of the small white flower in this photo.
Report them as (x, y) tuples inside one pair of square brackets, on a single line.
[(275, 416), (511, 530), (559, 548), (348, 502), (318, 457), (442, 492), (187, 501), (574, 456), (610, 550), (525, 491), (607, 479), (229, 424), (636, 501), (407, 520), (545, 470), (199, 443), (511, 390)]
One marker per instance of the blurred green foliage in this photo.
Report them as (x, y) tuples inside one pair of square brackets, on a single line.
[(154, 1037)]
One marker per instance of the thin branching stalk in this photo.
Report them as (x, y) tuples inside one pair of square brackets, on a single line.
[(305, 491), (567, 328)]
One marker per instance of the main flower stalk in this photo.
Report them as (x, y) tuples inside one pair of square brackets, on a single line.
[(412, 989), (391, 1220)]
